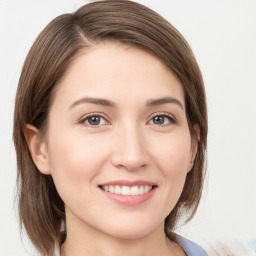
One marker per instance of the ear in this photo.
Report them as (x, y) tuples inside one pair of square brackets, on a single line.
[(37, 148), (194, 146)]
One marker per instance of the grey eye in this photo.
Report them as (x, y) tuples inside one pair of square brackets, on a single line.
[(162, 120), (94, 120), (159, 119)]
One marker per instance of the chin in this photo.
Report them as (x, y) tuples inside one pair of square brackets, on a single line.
[(129, 234), (130, 230)]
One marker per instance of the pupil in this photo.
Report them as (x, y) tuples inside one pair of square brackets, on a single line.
[(158, 120), (94, 120)]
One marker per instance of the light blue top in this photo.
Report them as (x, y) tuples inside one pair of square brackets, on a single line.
[(191, 248), (252, 245)]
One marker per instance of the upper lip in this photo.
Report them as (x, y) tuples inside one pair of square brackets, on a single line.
[(129, 183)]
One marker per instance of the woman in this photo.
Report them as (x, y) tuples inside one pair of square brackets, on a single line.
[(110, 130)]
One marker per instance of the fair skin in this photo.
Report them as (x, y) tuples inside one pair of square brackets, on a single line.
[(117, 122)]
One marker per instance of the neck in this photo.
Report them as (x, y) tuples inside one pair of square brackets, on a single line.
[(85, 240)]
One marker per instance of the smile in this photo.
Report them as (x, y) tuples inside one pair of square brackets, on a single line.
[(129, 193), (126, 190)]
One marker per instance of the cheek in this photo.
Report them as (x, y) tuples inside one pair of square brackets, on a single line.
[(74, 160), (173, 154), (73, 151), (172, 158)]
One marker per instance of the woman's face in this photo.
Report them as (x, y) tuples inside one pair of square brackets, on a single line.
[(118, 142)]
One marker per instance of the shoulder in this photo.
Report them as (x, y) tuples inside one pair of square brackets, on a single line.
[(191, 248)]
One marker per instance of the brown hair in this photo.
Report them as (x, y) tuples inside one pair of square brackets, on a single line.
[(41, 210)]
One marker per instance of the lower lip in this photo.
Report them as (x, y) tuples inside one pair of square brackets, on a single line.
[(129, 200)]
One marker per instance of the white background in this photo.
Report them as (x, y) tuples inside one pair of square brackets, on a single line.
[(222, 34)]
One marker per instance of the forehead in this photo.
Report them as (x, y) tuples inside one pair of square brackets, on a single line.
[(115, 70)]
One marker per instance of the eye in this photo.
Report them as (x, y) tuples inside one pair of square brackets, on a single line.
[(94, 120), (162, 120)]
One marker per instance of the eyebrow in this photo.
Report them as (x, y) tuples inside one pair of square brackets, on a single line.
[(108, 103), (165, 100), (97, 101)]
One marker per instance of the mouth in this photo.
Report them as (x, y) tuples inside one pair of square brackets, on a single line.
[(129, 193), (135, 190)]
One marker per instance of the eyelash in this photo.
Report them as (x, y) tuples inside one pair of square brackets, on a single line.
[(172, 119)]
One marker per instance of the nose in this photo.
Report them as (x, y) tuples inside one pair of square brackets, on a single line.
[(130, 149)]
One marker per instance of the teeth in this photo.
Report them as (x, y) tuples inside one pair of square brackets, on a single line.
[(111, 189), (126, 190), (134, 190), (117, 190), (141, 190)]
